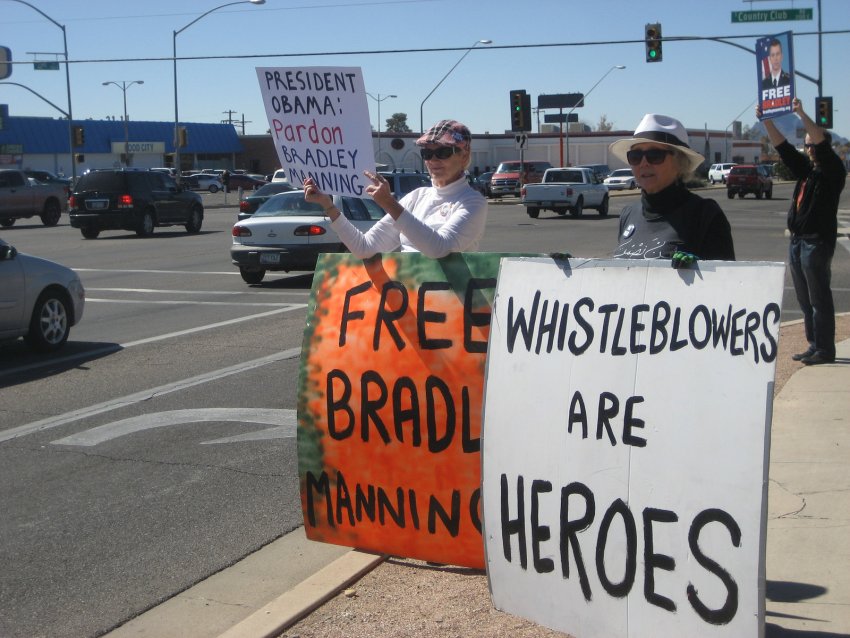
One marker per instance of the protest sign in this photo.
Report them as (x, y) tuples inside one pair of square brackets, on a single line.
[(625, 445), (389, 404), (775, 74), (319, 121)]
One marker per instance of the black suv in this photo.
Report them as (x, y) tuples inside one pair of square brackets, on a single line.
[(130, 199)]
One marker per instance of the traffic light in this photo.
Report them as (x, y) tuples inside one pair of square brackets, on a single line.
[(182, 137), (520, 111), (80, 158), (652, 37), (79, 134), (823, 109)]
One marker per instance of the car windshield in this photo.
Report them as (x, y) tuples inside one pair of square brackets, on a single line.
[(289, 205), (508, 167), (622, 172)]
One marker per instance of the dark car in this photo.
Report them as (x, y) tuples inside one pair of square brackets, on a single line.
[(749, 178), (481, 183), (402, 182), (245, 182), (250, 203), (137, 200)]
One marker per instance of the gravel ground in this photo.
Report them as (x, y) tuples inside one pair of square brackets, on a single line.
[(408, 598)]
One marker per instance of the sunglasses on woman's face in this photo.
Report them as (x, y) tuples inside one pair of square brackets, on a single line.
[(443, 152), (652, 155)]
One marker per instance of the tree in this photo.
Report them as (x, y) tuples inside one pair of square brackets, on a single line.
[(604, 124), (397, 123)]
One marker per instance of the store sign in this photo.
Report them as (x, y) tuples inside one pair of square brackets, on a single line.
[(139, 147)]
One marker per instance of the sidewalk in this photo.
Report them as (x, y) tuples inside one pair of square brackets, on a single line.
[(808, 556)]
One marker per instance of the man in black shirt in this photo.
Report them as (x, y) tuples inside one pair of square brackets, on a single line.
[(813, 224)]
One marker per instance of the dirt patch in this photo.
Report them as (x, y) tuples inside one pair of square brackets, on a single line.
[(408, 598)]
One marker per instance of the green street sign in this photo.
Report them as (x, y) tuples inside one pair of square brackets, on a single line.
[(774, 15), (46, 66)]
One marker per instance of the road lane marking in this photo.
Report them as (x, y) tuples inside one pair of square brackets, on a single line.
[(159, 291), (97, 352), (285, 422), (183, 302), (144, 395)]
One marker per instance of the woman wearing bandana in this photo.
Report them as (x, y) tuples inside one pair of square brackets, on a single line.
[(669, 221), (447, 217)]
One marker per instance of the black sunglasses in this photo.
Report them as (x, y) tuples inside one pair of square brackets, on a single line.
[(652, 155), (443, 152)]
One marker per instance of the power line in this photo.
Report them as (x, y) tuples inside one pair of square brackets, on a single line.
[(491, 47)]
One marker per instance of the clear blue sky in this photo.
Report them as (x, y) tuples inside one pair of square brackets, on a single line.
[(700, 82)]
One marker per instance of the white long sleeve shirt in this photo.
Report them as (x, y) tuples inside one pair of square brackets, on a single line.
[(436, 221)]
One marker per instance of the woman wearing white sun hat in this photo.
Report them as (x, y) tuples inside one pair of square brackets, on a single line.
[(669, 221)]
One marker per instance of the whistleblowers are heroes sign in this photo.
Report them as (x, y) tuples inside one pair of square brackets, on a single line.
[(625, 445), (319, 120)]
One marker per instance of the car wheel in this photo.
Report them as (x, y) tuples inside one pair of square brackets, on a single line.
[(145, 227), (89, 232), (195, 221), (711, 181), (561, 211), (6, 222), (632, 185), (213, 188), (533, 212), (252, 276), (741, 195), (758, 194), (578, 209), (603, 209), (730, 194), (769, 193), (51, 213), (50, 321)]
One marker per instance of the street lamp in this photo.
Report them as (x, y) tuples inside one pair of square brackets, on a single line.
[(379, 99), (124, 86), (174, 56), (604, 75), (421, 127), (67, 84)]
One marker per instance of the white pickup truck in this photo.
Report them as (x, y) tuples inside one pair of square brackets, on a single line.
[(22, 198), (566, 189)]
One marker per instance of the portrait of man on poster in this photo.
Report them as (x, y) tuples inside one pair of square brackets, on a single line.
[(775, 67)]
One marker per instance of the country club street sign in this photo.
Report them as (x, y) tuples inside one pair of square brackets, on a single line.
[(774, 15)]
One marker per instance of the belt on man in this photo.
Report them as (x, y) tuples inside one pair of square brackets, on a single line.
[(809, 236)]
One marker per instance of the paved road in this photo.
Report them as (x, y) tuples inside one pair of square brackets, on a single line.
[(158, 448)]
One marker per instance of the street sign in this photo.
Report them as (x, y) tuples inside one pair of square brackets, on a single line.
[(774, 15), (5, 62), (45, 66), (560, 101), (555, 118), (521, 140)]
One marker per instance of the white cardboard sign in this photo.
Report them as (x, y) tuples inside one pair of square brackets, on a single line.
[(625, 445), (319, 121)]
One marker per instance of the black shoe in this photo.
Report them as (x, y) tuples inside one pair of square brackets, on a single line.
[(817, 358), (802, 355)]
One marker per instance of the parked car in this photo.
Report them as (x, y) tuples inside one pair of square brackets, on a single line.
[(718, 172), (482, 183), (506, 178), (621, 179), (749, 178), (23, 197), (46, 177), (205, 182), (402, 182), (243, 181), (138, 200), (287, 233), (250, 203), (40, 300)]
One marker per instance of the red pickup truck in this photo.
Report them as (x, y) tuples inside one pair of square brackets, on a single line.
[(749, 178)]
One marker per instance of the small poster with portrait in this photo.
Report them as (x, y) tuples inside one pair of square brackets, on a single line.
[(775, 73)]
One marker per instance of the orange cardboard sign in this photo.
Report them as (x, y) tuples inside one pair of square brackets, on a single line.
[(389, 404)]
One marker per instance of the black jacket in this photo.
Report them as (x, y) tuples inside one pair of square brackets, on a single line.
[(817, 212)]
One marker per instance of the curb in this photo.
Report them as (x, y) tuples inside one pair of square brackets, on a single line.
[(310, 594)]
